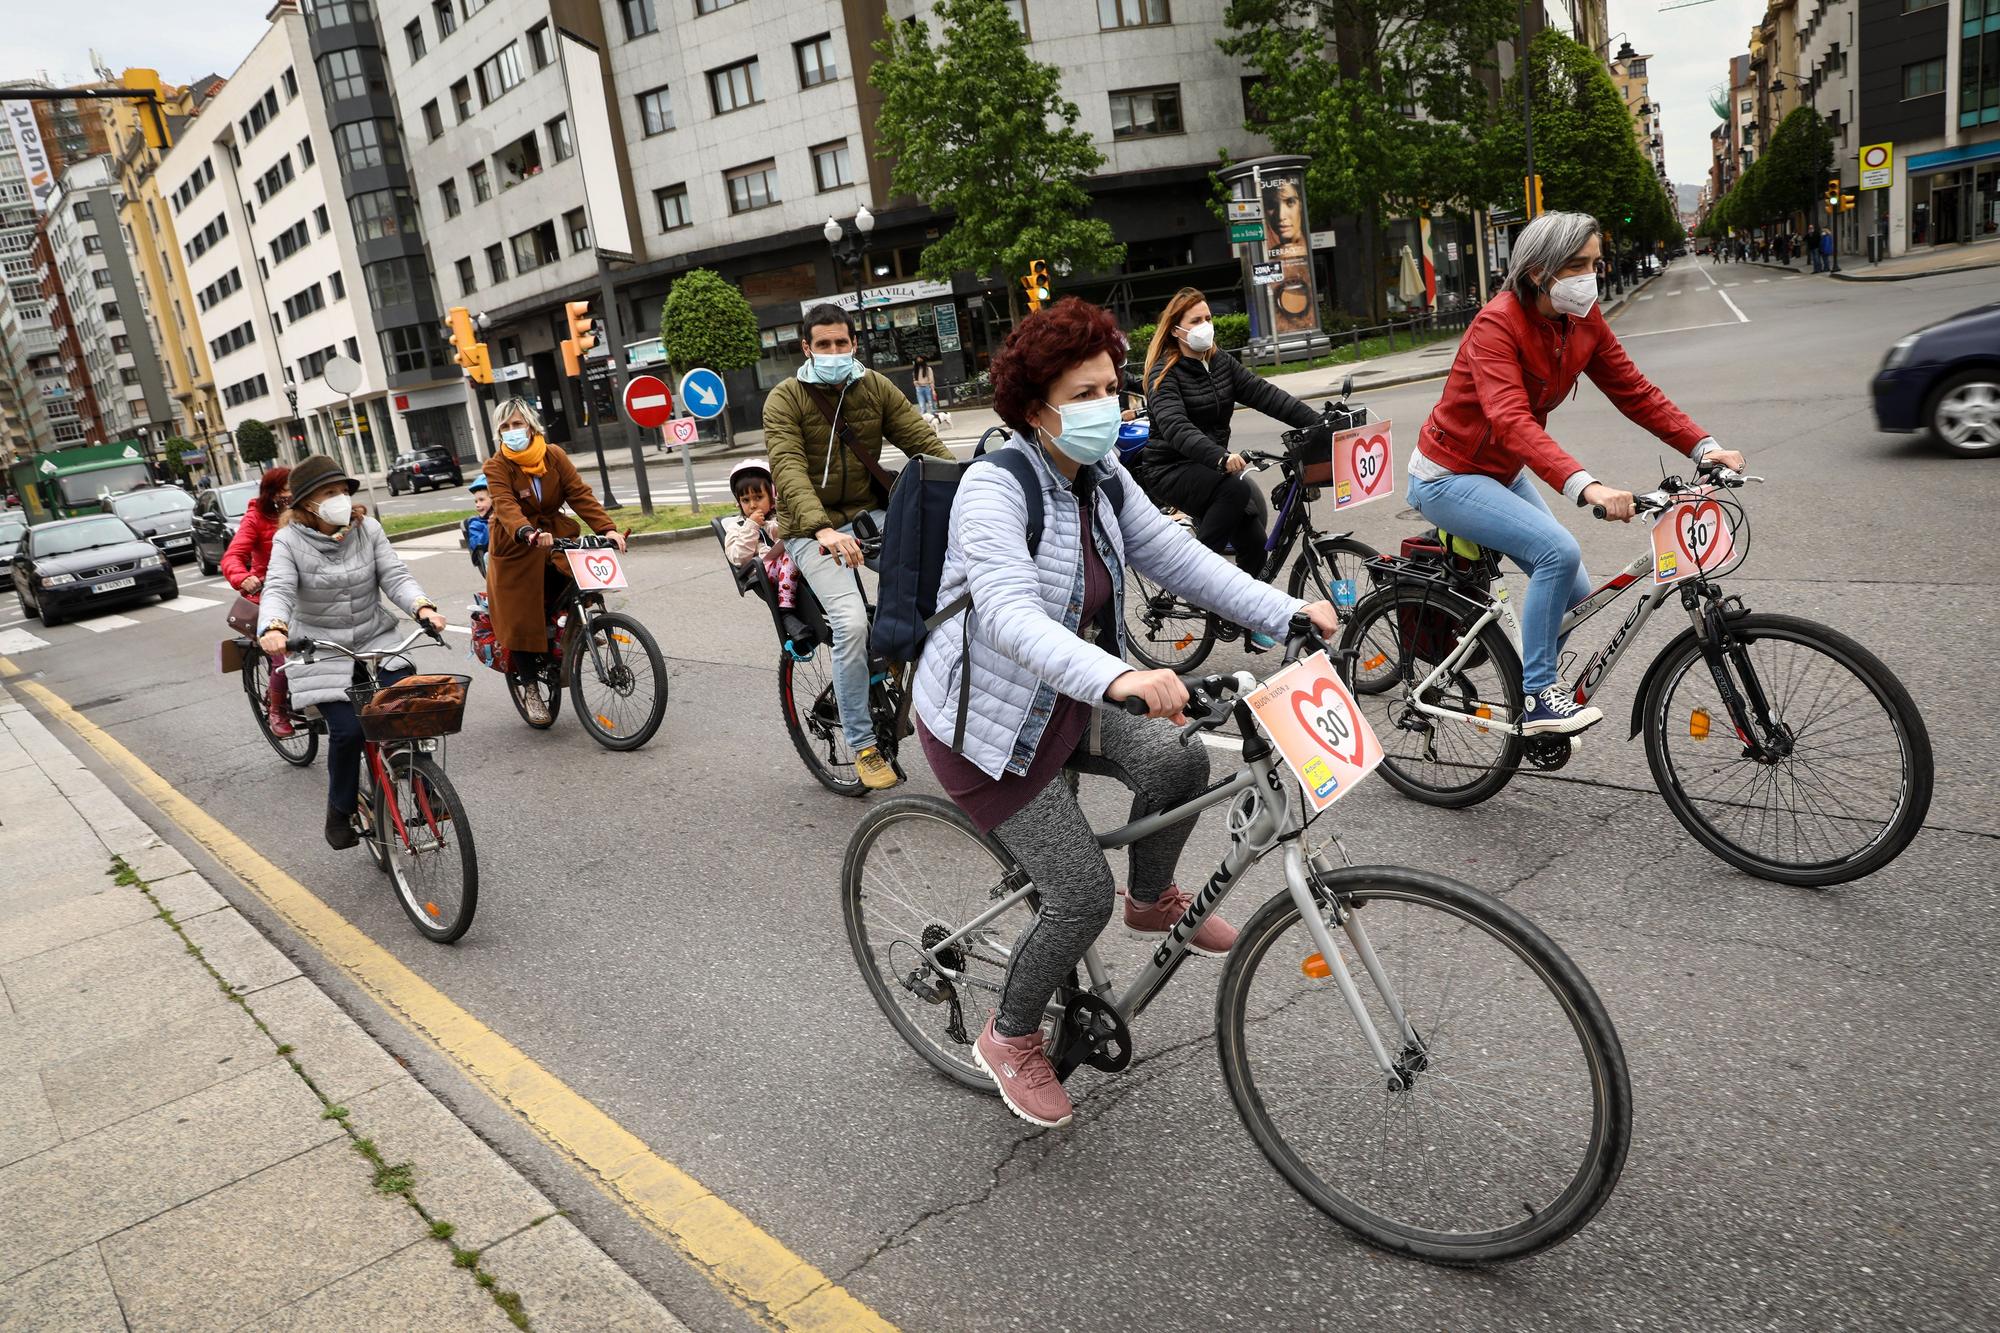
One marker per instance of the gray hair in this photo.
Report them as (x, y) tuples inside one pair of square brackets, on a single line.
[(1544, 246), (508, 407)]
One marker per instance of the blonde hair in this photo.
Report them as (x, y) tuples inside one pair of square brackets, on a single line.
[(1165, 349), (526, 409)]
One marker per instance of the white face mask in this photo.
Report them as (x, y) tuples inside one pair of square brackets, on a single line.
[(1201, 337), (337, 510), (1574, 296)]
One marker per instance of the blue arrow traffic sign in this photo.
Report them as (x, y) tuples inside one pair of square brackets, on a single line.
[(702, 393)]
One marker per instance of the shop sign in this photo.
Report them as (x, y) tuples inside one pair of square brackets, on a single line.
[(947, 326), (891, 293), (1878, 167), (1322, 240)]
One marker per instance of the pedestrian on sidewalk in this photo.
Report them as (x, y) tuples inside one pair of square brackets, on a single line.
[(925, 380), (1826, 250), (328, 575), (244, 564)]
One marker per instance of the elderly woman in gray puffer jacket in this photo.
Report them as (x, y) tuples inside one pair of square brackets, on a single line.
[(328, 575), (1045, 649)]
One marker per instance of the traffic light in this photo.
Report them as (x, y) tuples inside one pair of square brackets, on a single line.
[(1036, 284), (1531, 194), (467, 350), (1833, 195), (1847, 203), (581, 336)]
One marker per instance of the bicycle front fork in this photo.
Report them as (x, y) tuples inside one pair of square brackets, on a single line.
[(1728, 659), (1314, 900)]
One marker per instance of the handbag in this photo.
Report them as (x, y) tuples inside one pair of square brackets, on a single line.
[(829, 407), (243, 616)]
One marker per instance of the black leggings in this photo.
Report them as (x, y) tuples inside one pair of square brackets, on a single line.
[(343, 746), (1229, 510)]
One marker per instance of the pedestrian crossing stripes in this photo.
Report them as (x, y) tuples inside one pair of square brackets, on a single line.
[(105, 624), (185, 604), (20, 641)]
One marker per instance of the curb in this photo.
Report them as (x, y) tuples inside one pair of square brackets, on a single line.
[(1845, 276)]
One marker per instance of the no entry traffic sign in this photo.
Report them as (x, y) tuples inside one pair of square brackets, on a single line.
[(647, 401)]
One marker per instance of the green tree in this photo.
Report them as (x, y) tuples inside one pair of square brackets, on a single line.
[(1387, 97), (255, 443), (1796, 166), (978, 129), (707, 322)]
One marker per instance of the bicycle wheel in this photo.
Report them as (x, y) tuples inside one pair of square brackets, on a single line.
[(617, 680), (916, 870), (1163, 631), (1854, 788), (1325, 562), (1388, 647), (1509, 1122), (812, 719), (296, 749), (431, 859), (543, 683)]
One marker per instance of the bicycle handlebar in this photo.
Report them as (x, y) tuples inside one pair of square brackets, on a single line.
[(592, 543), (1652, 502), (306, 647)]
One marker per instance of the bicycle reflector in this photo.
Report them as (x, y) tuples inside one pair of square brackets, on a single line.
[(1315, 966), (1698, 724)]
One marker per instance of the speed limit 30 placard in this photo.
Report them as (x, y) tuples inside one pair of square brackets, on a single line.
[(1689, 537), (1318, 728), (1363, 465)]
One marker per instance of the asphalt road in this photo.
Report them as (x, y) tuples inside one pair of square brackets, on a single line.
[(1815, 1100)]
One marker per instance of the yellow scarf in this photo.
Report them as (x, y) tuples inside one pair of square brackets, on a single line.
[(532, 460)]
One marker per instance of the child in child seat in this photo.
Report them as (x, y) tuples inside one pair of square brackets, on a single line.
[(754, 534)]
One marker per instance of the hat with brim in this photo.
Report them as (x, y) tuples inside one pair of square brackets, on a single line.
[(314, 472)]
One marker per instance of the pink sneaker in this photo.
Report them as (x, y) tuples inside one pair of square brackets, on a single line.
[(1213, 940), (1028, 1082)]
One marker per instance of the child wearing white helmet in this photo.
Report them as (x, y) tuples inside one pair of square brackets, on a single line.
[(753, 534)]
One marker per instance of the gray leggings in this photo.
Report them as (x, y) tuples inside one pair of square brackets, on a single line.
[(1052, 840)]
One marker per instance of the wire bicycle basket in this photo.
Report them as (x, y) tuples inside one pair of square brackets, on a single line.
[(413, 709)]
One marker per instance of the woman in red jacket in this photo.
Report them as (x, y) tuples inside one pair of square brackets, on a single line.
[(245, 562), (1469, 475)]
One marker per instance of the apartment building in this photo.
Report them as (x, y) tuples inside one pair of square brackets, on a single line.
[(102, 306), (290, 201), (1927, 81), (1774, 50), (27, 178), (1629, 71), (1826, 58), (70, 413)]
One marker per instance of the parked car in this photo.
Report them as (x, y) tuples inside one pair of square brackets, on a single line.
[(424, 469), (163, 515), (12, 528), (216, 514), (96, 560), (1945, 379)]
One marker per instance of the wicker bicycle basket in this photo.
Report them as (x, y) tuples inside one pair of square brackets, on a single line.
[(413, 709)]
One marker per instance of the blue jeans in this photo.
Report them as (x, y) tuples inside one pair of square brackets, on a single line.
[(343, 746), (926, 399), (1515, 521), (847, 616)]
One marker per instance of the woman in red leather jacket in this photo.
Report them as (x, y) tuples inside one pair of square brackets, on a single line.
[(244, 564), (1469, 475)]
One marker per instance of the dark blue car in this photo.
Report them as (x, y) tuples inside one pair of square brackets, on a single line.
[(1945, 379)]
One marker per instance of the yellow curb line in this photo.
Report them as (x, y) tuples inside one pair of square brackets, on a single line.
[(749, 1264)]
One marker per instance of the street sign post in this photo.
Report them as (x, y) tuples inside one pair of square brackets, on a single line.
[(1242, 233), (344, 377), (1878, 166), (647, 401), (703, 393), (1246, 210)]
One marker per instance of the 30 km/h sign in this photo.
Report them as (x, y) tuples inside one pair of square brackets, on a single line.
[(703, 393), (647, 401)]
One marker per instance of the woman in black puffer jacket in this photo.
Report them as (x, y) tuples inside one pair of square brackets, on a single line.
[(1194, 390)]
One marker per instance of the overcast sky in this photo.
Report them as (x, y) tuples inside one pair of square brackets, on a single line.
[(1691, 48)]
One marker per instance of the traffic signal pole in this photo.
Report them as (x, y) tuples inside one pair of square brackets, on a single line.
[(609, 297)]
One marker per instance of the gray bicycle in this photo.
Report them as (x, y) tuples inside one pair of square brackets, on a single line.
[(1415, 1057)]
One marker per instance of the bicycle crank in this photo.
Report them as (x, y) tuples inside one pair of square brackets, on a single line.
[(1092, 1032), (1549, 753)]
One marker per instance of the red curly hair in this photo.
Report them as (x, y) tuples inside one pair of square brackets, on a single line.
[(268, 488), (1042, 347)]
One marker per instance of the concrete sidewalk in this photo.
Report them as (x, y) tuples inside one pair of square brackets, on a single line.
[(194, 1136)]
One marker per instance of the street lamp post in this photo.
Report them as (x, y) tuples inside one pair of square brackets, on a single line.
[(851, 247)]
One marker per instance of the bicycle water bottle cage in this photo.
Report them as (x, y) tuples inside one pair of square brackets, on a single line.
[(1092, 1032)]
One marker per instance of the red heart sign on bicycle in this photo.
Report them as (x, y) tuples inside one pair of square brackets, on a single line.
[(1702, 533), (1318, 728), (1363, 465), (597, 571), (1329, 717)]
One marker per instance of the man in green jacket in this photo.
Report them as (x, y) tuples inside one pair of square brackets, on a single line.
[(823, 433)]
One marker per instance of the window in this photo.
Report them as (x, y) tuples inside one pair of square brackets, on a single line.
[(338, 13), (363, 144), (127, 375), (310, 366), (413, 33), (496, 262), (1979, 74), (710, 6), (121, 343), (306, 151), (226, 285), (1132, 13), (561, 146), (274, 180), (482, 182), (1923, 78), (447, 21), (337, 285), (518, 161), (830, 170), (461, 100), (735, 86), (448, 194), (380, 214), (93, 245), (672, 201), (656, 113), (433, 120), (639, 18), (305, 303), (233, 341), (352, 73), (752, 187), (100, 278), (404, 350), (1146, 113), (471, 7), (816, 60), (111, 315), (500, 73), (540, 51), (80, 210), (578, 228), (291, 82), (535, 247), (321, 221), (394, 282), (466, 285), (245, 391), (289, 242)]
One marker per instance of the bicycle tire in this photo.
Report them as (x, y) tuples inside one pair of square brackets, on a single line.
[(1305, 575), (1365, 650), (814, 723), (1465, 910), (427, 916), (297, 749), (553, 695), (1914, 791), (1143, 622), (938, 817), (609, 625)]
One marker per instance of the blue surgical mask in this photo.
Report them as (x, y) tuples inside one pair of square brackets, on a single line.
[(1089, 430), (830, 368), (515, 439)]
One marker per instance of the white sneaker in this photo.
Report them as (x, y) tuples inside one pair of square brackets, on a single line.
[(1556, 710)]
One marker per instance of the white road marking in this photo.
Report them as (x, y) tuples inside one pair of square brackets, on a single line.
[(185, 604), (418, 555), (20, 641), (1794, 278), (1759, 281), (1685, 328), (1649, 297), (103, 624), (1732, 284), (1741, 318)]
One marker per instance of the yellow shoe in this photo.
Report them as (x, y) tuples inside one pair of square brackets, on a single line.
[(877, 773)]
